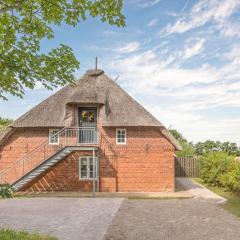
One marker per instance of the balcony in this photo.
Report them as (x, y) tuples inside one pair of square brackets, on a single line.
[(78, 136)]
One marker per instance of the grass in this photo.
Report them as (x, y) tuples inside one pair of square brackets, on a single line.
[(9, 234), (233, 200)]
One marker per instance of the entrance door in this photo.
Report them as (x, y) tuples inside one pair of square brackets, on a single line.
[(88, 124)]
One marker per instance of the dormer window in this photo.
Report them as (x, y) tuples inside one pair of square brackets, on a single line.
[(121, 136)]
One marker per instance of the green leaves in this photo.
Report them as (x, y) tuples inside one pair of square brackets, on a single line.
[(221, 170), (6, 190), (4, 123), (23, 24)]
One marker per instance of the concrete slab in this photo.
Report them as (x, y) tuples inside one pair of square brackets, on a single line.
[(198, 191)]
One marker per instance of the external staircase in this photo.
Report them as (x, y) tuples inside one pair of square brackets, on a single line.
[(45, 155)]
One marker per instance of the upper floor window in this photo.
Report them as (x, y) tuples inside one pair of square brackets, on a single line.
[(121, 136), (53, 136)]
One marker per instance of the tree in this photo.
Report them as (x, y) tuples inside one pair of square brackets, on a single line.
[(216, 146), (24, 23), (188, 149), (4, 123)]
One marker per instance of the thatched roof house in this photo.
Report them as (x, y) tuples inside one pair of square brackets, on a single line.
[(91, 135)]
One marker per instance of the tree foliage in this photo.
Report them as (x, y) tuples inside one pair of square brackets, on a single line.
[(201, 148), (188, 148), (4, 123), (216, 146), (24, 23)]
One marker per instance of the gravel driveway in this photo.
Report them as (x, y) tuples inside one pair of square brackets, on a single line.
[(199, 218), (65, 218), (174, 219)]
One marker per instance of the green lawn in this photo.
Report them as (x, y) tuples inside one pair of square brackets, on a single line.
[(233, 200), (8, 234)]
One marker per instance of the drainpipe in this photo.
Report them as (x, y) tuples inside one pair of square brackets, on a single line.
[(94, 175)]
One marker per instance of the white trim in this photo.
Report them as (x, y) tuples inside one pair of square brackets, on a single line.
[(50, 134), (88, 178), (125, 139)]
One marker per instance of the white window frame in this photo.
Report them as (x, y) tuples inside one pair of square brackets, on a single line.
[(125, 139), (88, 168), (53, 131)]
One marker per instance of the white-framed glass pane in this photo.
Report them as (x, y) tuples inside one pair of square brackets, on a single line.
[(53, 136), (86, 167), (121, 136), (90, 160), (84, 161), (84, 174)]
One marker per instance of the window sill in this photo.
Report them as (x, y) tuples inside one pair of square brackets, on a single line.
[(87, 179)]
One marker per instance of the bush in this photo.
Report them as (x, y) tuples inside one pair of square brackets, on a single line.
[(231, 179), (6, 190), (215, 168)]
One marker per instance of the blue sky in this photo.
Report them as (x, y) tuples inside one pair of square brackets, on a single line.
[(179, 58)]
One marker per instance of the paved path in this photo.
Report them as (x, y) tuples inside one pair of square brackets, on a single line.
[(197, 191), (175, 219), (65, 218)]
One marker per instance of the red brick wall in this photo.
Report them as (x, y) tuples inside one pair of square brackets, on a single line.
[(145, 164), (20, 143)]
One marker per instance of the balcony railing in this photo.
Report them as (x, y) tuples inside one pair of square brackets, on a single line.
[(82, 135), (66, 137)]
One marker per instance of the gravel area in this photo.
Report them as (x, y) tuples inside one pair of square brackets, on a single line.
[(65, 218), (174, 219)]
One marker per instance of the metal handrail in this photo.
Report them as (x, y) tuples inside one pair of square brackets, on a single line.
[(28, 154), (63, 131)]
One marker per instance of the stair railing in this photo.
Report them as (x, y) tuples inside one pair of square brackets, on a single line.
[(74, 136)]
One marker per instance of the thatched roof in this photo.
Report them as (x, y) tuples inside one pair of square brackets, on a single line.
[(96, 88)]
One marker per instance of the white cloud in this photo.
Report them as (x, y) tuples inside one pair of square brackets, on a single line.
[(203, 12), (128, 48), (185, 92), (193, 48), (153, 22), (144, 3), (229, 29)]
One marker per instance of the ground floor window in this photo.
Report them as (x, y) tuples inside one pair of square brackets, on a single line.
[(86, 167)]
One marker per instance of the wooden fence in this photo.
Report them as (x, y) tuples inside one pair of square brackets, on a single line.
[(187, 167)]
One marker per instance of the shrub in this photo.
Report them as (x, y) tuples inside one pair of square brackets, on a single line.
[(231, 179), (215, 166), (6, 190)]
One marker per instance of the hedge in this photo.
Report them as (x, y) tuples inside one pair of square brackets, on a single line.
[(221, 170)]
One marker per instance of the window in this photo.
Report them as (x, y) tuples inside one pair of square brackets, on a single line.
[(86, 168), (53, 136), (121, 136)]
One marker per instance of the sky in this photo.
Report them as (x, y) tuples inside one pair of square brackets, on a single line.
[(179, 58)]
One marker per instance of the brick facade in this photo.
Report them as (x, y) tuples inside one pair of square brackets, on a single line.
[(144, 164), (21, 142)]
